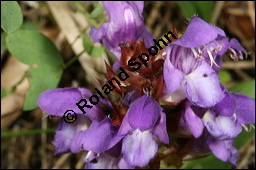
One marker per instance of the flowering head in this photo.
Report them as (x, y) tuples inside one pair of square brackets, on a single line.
[(126, 130)]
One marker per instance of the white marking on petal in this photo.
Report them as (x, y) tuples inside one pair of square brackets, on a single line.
[(234, 116)]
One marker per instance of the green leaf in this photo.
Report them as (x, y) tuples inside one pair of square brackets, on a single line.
[(96, 12), (187, 8), (6, 92), (34, 49), (11, 16), (209, 162), (87, 43), (204, 9), (243, 138), (225, 76), (89, 47), (97, 51), (29, 26), (200, 8), (3, 43), (247, 88)]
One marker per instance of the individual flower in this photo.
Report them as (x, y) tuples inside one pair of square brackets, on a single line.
[(57, 101), (92, 131), (214, 129), (222, 149), (126, 24), (193, 61), (65, 135), (143, 122)]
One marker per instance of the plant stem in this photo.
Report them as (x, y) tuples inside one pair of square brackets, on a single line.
[(72, 60), (26, 132)]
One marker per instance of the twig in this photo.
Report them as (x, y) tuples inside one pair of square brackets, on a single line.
[(251, 12), (239, 65), (61, 161)]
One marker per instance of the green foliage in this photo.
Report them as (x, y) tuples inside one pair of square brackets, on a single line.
[(209, 162), (6, 92), (200, 8), (96, 12), (11, 16), (247, 88), (225, 76), (29, 26), (27, 132), (34, 49), (89, 47), (3, 43)]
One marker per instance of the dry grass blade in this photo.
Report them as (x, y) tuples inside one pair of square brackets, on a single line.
[(72, 32)]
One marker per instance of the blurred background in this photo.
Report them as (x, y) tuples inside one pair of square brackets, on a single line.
[(26, 135)]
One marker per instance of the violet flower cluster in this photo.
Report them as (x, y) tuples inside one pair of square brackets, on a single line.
[(127, 131)]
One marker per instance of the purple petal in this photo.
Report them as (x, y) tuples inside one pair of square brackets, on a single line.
[(172, 76), (174, 97), (63, 137), (199, 33), (116, 65), (139, 148), (232, 152), (160, 129), (97, 34), (104, 161), (130, 97), (221, 127), (245, 109), (234, 43), (100, 137), (226, 107), (203, 86), (125, 24), (82, 124), (122, 164), (115, 151), (125, 127), (195, 124), (143, 113), (199, 145), (218, 148), (57, 101)]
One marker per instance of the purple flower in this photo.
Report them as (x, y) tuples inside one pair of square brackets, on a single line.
[(222, 149), (92, 131), (237, 50), (125, 24), (106, 161), (189, 63), (216, 128), (143, 120), (103, 161), (57, 101), (65, 135), (99, 137)]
